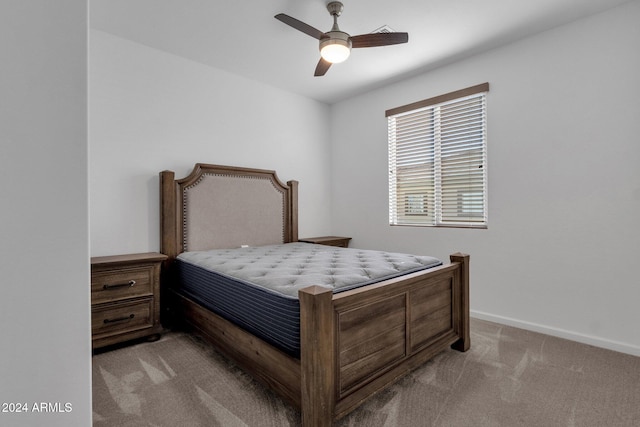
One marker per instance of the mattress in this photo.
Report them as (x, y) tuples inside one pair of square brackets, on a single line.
[(257, 287)]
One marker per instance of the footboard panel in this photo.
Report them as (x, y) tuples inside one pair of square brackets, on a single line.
[(384, 332), (431, 312), (370, 338)]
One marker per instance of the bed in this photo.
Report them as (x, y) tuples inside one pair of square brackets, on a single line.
[(352, 342)]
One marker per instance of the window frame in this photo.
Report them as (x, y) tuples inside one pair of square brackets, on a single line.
[(430, 157)]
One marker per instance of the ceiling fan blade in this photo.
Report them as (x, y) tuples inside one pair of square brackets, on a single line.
[(322, 67), (378, 39), (300, 26)]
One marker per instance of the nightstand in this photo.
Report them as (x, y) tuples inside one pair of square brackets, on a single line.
[(125, 297), (343, 242)]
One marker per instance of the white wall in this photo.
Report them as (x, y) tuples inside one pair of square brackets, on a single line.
[(151, 111), (563, 241), (45, 347)]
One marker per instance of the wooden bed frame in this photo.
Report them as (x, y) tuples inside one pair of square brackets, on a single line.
[(354, 343)]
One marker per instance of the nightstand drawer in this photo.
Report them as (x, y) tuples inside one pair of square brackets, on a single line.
[(113, 285), (122, 317)]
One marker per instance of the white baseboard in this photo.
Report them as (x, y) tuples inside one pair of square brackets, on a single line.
[(560, 333)]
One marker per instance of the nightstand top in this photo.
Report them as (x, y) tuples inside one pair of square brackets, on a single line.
[(128, 258), (327, 240), (323, 238)]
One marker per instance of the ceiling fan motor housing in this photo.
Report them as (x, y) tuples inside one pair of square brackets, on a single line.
[(336, 37)]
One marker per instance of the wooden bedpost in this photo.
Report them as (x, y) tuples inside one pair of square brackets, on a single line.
[(317, 356), (293, 210), (168, 220), (464, 343)]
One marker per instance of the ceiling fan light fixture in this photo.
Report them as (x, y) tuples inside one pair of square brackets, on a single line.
[(336, 48)]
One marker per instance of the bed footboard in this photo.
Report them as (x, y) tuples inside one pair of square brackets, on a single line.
[(356, 343)]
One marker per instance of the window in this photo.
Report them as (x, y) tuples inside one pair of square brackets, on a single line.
[(437, 161)]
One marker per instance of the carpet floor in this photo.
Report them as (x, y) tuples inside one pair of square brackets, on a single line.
[(510, 377)]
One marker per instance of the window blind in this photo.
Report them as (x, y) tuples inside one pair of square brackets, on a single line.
[(437, 161)]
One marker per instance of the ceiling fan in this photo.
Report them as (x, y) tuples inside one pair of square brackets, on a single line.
[(335, 45)]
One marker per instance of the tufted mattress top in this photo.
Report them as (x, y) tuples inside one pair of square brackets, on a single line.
[(287, 268)]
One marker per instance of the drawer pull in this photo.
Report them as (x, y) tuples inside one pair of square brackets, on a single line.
[(120, 319), (129, 284)]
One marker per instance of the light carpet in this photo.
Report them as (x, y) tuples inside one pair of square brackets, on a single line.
[(510, 377)]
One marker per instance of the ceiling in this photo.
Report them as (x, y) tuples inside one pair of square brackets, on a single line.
[(242, 36)]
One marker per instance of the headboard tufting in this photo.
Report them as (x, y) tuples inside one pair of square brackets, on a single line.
[(225, 207)]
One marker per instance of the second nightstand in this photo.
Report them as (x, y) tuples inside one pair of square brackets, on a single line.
[(343, 242)]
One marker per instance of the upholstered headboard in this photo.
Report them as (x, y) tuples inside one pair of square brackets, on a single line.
[(225, 207)]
